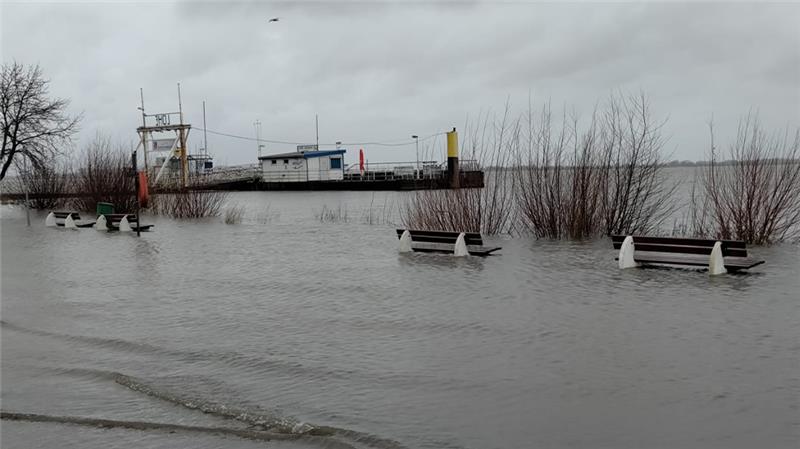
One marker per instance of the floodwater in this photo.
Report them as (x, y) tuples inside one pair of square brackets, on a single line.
[(321, 334)]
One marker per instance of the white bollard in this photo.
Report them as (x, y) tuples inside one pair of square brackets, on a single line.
[(50, 220), (69, 223), (716, 263), (461, 247), (626, 254), (124, 226), (101, 224), (405, 242)]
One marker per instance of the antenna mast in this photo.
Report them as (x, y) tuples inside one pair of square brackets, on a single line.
[(184, 156), (205, 134), (144, 134)]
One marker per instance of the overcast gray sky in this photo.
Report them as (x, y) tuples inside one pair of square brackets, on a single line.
[(383, 71)]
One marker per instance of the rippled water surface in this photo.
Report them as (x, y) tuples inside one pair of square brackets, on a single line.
[(322, 335)]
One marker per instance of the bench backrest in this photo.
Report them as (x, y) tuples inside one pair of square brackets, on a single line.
[(63, 215), (470, 238), (116, 218), (730, 248)]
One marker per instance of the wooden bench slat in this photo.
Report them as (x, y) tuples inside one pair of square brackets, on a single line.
[(684, 249), (449, 240), (691, 252), (444, 242), (475, 250), (118, 216), (63, 215), (78, 225), (681, 241), (134, 227), (731, 263), (442, 233), (112, 219), (471, 238)]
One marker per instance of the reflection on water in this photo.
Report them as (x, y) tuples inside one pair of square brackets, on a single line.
[(306, 329)]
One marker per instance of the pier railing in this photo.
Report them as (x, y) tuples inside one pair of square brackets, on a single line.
[(225, 175), (389, 171)]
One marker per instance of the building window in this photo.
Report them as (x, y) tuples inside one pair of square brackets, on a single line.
[(274, 161), (286, 161), (336, 163)]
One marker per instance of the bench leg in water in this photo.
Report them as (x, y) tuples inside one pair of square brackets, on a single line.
[(69, 223), (461, 247), (626, 254), (405, 242), (50, 221), (124, 226), (716, 263), (100, 224)]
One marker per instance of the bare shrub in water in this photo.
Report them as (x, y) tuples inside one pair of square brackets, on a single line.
[(554, 180), (48, 184), (491, 142), (443, 210), (755, 195), (189, 203), (607, 179), (105, 174), (637, 195), (559, 171)]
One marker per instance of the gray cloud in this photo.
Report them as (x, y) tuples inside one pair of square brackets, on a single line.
[(383, 71)]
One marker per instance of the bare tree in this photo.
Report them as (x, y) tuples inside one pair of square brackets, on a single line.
[(34, 125)]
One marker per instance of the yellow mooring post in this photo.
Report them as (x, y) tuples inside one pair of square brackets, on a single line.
[(453, 173)]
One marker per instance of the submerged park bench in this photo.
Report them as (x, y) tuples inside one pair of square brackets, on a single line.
[(120, 222), (457, 243), (719, 256), (70, 220)]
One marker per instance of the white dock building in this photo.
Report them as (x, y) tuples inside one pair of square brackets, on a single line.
[(303, 166)]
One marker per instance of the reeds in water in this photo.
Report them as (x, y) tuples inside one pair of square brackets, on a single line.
[(333, 215), (234, 214)]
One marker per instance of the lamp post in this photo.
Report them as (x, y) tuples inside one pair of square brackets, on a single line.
[(416, 139), (25, 180)]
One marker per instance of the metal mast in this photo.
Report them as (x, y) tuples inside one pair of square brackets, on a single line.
[(184, 156), (205, 134), (144, 133)]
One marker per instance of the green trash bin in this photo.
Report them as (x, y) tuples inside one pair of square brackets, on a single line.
[(105, 209)]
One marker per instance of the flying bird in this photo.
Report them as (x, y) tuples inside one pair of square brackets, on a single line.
[(274, 19)]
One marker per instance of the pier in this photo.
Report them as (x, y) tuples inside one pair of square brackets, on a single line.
[(380, 176)]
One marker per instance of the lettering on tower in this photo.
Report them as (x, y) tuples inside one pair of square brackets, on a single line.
[(162, 119)]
